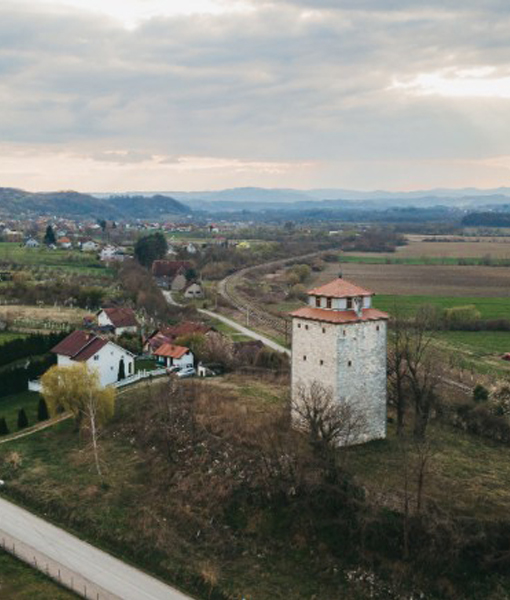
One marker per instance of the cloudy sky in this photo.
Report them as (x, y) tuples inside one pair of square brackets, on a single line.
[(116, 95)]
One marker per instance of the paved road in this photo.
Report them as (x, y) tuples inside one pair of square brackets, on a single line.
[(65, 556), (247, 332)]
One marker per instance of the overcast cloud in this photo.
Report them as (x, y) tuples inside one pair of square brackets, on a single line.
[(289, 93)]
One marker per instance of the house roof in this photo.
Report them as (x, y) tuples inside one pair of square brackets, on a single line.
[(80, 345), (171, 351), (64, 240), (121, 316), (186, 328), (340, 288), (169, 268), (338, 316)]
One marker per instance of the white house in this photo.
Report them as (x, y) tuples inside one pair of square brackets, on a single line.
[(191, 248), (31, 243), (65, 243), (174, 356), (121, 319), (89, 246), (108, 359), (339, 342), (193, 290), (110, 253)]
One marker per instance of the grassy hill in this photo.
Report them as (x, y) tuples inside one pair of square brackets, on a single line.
[(73, 204)]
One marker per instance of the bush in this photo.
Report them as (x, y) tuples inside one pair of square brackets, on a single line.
[(42, 410), (297, 292), (479, 420), (480, 393), (4, 430), (22, 419)]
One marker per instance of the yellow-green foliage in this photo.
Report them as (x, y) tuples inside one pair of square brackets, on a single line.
[(76, 389), (462, 314)]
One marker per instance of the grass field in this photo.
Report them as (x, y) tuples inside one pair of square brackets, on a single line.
[(18, 581), (490, 308), (10, 336), (10, 405), (57, 314)]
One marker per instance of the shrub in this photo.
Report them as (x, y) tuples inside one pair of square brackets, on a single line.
[(4, 430), (480, 393), (297, 292), (42, 410), (22, 419)]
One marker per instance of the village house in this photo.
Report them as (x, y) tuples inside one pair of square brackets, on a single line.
[(111, 253), (65, 243), (193, 290), (170, 355), (109, 360), (339, 342), (171, 273), (119, 319), (32, 243), (168, 335), (89, 246)]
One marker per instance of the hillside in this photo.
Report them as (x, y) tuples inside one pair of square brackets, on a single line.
[(19, 203)]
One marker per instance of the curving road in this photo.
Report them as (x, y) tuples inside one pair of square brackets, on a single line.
[(87, 570)]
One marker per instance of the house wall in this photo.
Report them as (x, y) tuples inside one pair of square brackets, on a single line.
[(185, 361), (337, 303), (107, 363), (194, 291), (178, 283), (103, 320), (353, 367)]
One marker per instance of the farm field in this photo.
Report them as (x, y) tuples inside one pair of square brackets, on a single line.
[(426, 280), (56, 314), (10, 336), (479, 343)]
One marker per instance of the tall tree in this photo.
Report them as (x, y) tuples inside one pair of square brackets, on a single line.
[(42, 410), (22, 419), (150, 248), (4, 430), (49, 236), (78, 390)]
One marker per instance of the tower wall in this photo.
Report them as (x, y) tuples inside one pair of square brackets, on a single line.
[(353, 367)]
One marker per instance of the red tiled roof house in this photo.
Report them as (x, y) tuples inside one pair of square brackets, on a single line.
[(170, 355), (107, 358), (121, 319)]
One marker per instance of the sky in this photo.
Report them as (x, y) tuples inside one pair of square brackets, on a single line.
[(148, 95)]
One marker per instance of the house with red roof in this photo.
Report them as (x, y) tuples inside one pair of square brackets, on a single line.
[(99, 354), (121, 319), (171, 355), (168, 335)]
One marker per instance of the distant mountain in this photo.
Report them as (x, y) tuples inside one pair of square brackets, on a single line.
[(19, 203)]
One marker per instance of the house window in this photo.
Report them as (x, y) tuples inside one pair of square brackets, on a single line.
[(96, 357), (317, 302), (304, 357), (130, 368), (349, 303), (329, 302)]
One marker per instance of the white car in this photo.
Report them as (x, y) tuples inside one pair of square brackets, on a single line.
[(186, 372)]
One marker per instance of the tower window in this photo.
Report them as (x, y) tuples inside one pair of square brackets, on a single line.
[(349, 364), (304, 357), (377, 327), (323, 330), (345, 333), (328, 302), (317, 302), (299, 325), (321, 362), (306, 326)]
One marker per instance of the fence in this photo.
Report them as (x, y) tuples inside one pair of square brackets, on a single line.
[(138, 376)]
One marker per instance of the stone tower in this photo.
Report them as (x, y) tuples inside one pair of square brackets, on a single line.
[(339, 341)]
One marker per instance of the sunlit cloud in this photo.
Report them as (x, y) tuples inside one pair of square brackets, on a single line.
[(454, 83)]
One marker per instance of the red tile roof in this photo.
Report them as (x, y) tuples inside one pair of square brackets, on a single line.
[(79, 345), (121, 316), (171, 351), (169, 268), (339, 288), (338, 316), (186, 328)]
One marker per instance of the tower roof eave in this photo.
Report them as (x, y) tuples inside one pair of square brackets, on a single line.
[(339, 316)]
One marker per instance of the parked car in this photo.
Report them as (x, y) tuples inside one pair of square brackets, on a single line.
[(186, 372), (172, 369)]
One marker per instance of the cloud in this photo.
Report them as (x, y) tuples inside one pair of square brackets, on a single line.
[(287, 83)]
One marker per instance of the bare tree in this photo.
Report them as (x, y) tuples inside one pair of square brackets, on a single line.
[(397, 367), (328, 423)]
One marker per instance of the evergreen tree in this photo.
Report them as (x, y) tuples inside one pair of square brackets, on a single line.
[(49, 236), (22, 419), (150, 248), (4, 430), (122, 370), (42, 410)]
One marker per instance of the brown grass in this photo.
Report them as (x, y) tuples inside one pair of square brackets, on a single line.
[(426, 280), (43, 313)]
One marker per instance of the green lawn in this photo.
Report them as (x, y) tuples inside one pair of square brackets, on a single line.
[(424, 260), (18, 581), (480, 343), (10, 405), (148, 364), (490, 308), (8, 336)]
